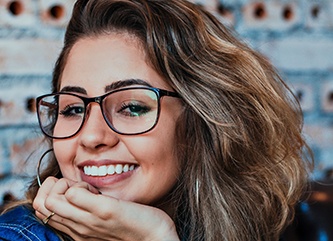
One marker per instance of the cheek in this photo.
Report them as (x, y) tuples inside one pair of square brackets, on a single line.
[(64, 153), (159, 169), (151, 150), (156, 151)]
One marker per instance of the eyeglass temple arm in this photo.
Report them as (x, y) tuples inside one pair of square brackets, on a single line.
[(168, 93), (48, 104)]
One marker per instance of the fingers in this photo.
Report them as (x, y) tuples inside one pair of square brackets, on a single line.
[(78, 210), (42, 195), (85, 196), (42, 203), (61, 196), (85, 187)]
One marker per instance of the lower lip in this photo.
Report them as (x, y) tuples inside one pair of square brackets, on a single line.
[(102, 181)]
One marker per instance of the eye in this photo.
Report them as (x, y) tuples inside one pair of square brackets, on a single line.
[(72, 111), (134, 109)]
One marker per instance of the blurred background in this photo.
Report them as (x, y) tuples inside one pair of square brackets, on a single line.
[(295, 35)]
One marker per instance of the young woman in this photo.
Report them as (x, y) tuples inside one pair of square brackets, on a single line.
[(163, 127)]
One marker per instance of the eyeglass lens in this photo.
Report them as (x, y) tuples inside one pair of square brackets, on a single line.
[(130, 111)]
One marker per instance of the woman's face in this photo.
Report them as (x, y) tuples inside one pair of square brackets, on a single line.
[(93, 65)]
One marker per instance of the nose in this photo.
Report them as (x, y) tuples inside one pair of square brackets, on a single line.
[(95, 133)]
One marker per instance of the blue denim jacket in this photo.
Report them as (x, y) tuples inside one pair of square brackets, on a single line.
[(20, 224)]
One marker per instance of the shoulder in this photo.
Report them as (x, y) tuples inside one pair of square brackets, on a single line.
[(21, 224)]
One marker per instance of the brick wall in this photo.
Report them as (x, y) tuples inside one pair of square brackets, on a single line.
[(31, 35), (296, 35)]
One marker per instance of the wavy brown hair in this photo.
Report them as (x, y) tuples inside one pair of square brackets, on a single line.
[(239, 138)]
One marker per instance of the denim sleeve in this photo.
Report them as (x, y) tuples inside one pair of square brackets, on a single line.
[(20, 224)]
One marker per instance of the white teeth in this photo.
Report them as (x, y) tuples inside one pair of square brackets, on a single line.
[(107, 170), (102, 171), (126, 167), (119, 168), (87, 170), (111, 170), (94, 170)]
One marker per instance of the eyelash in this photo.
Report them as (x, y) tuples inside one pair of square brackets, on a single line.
[(143, 109), (68, 109)]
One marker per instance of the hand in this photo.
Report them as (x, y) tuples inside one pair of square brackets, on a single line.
[(84, 214)]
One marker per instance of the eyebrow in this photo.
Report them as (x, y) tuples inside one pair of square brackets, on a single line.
[(125, 83), (115, 85), (75, 89)]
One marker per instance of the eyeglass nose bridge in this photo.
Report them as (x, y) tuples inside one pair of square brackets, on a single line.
[(88, 101), (98, 99)]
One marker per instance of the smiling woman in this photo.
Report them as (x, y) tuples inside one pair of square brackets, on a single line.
[(130, 110), (173, 127)]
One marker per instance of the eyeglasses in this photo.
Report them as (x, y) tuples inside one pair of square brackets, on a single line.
[(127, 111)]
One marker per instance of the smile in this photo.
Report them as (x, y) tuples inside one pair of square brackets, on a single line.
[(107, 169)]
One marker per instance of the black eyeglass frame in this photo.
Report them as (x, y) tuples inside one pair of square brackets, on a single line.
[(99, 99)]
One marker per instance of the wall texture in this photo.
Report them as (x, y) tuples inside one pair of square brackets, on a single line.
[(296, 35)]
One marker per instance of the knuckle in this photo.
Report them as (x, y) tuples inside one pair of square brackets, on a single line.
[(63, 182), (50, 204), (72, 193), (50, 180), (37, 205)]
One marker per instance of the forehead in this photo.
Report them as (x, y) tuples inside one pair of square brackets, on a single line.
[(99, 61)]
